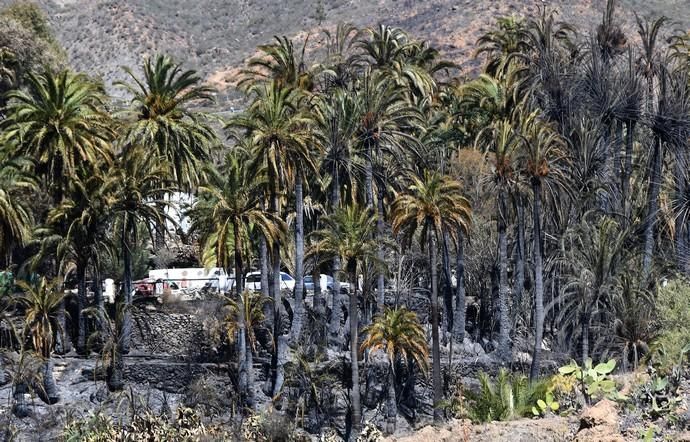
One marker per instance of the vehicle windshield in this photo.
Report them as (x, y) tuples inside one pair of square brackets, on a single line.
[(286, 277), (307, 279), (254, 278)]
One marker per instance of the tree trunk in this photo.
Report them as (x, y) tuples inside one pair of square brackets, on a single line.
[(380, 280), (265, 286), (81, 304), (243, 381), (354, 341), (519, 257), (503, 291), (627, 172), (64, 342), (617, 144), (460, 301), (20, 408), (680, 221), (585, 335), (652, 209), (319, 304), (278, 360), (115, 372), (538, 284), (369, 176), (447, 287), (127, 296), (435, 340), (50, 393), (335, 339), (391, 403), (298, 311)]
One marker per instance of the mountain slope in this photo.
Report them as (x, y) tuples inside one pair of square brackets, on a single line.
[(216, 36)]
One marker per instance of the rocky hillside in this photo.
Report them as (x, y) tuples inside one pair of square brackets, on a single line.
[(216, 36)]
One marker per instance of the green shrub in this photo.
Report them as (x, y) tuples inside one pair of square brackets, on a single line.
[(509, 397), (674, 324)]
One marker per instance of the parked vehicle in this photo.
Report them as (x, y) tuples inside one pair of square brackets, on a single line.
[(253, 281), (326, 282), (196, 278)]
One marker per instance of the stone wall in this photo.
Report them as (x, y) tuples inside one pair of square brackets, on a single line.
[(161, 332)]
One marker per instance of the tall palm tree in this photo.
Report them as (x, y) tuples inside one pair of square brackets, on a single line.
[(399, 334), (501, 43), (504, 142), (337, 117), (434, 205), (227, 208), (162, 117), (77, 231), (593, 252), (279, 132), (42, 302), (60, 123), (348, 233), (279, 63), (386, 120), (542, 158), (137, 202)]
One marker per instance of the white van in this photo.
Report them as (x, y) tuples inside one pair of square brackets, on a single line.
[(253, 281)]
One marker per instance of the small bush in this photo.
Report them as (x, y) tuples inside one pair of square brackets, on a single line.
[(674, 324)]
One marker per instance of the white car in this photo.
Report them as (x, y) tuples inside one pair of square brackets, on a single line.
[(326, 282), (253, 281)]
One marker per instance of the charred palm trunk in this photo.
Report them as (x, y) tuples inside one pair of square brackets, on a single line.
[(391, 402), (242, 368), (617, 170), (64, 342), (380, 255), (585, 334), (50, 393), (354, 342), (115, 373), (447, 287), (503, 290), (519, 256), (319, 304), (626, 198), (435, 339), (298, 313), (265, 286), (652, 208), (81, 304), (20, 408), (280, 353), (335, 339), (127, 295), (460, 301), (538, 283)]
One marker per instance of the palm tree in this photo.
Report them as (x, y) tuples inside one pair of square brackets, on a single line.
[(592, 253), (501, 43), (279, 63), (384, 128), (42, 302), (161, 118), (245, 316), (279, 132), (227, 208), (60, 123), (543, 153), (76, 231), (348, 233), (337, 118), (138, 200), (399, 334), (341, 63), (15, 215), (434, 205), (504, 141)]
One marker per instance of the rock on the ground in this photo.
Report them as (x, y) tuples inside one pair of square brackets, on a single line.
[(600, 423)]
